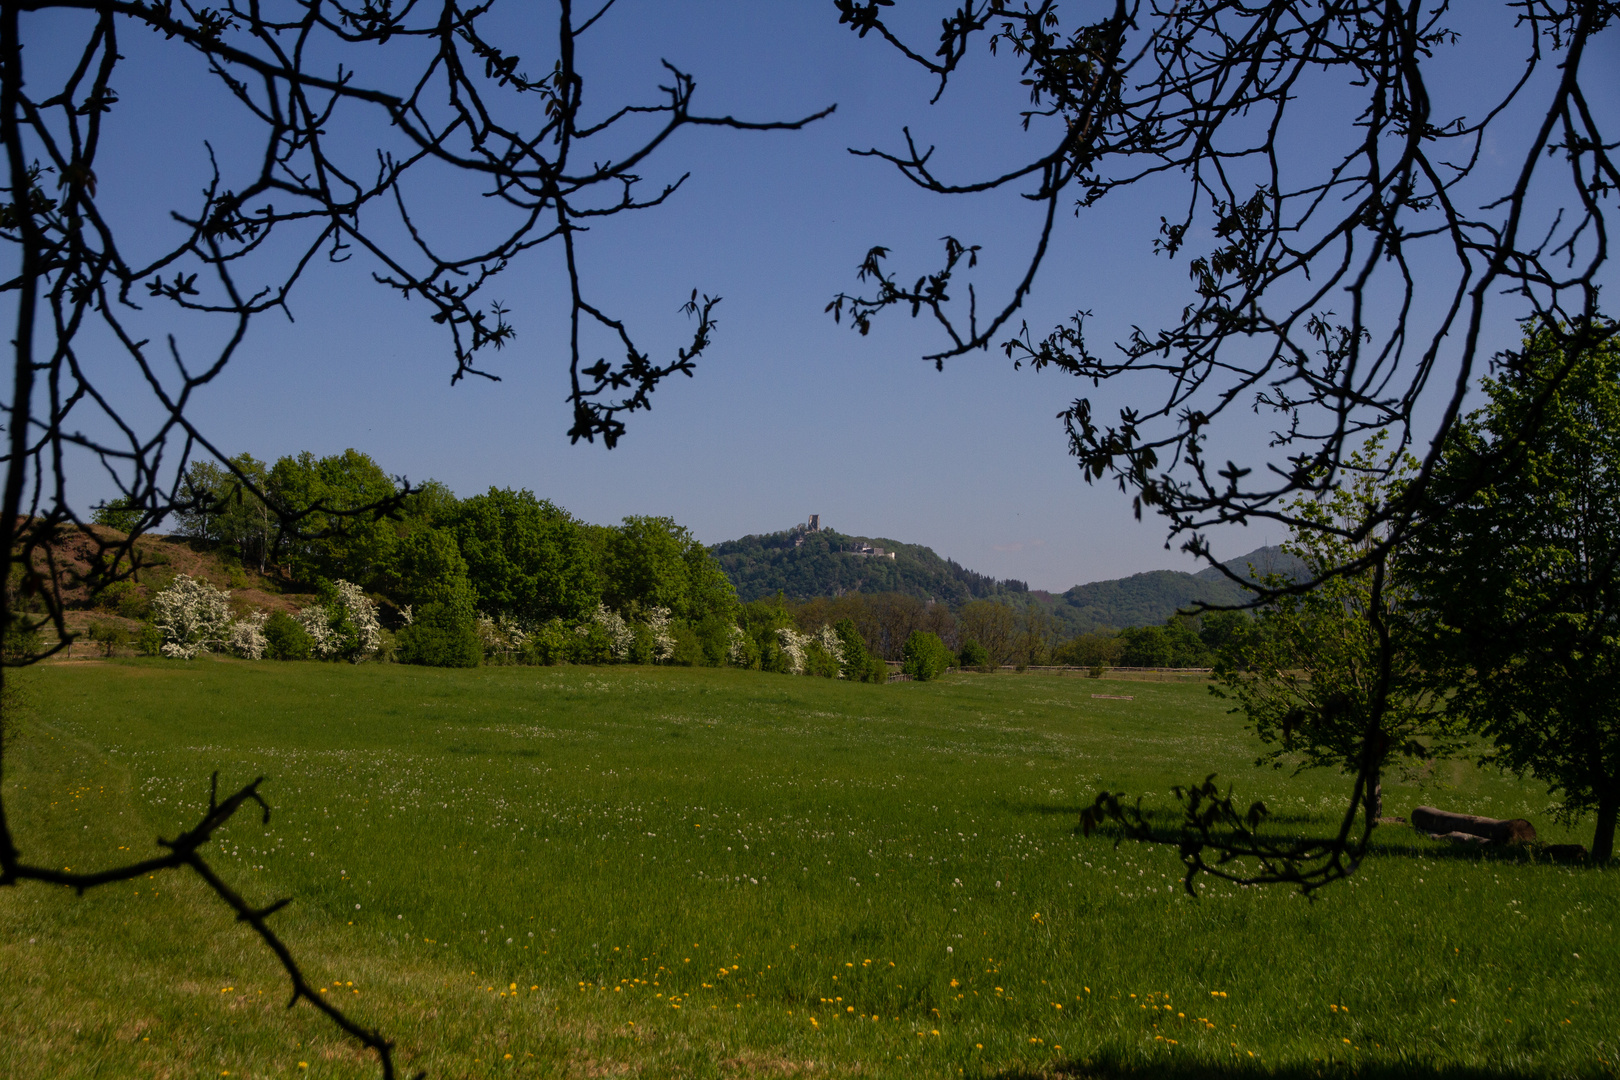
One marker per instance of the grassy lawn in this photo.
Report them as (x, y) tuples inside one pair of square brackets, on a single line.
[(667, 872)]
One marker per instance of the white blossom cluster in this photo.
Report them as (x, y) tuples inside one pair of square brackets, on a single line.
[(318, 625), (620, 636), (361, 614), (193, 616), (793, 644), (737, 648), (663, 640), (828, 639), (503, 635), (247, 636)]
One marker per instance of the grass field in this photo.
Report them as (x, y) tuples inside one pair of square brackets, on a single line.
[(694, 873)]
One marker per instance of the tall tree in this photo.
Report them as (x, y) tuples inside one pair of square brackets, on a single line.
[(1319, 668), (1349, 239), (526, 557), (333, 524), (1517, 559)]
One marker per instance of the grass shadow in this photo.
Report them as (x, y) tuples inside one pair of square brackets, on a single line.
[(1119, 1068)]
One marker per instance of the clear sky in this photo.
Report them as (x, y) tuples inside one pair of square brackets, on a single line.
[(789, 414)]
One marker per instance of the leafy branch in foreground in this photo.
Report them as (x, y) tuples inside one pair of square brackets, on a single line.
[(1351, 250)]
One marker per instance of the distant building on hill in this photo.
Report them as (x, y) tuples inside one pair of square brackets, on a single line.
[(815, 523), (869, 550)]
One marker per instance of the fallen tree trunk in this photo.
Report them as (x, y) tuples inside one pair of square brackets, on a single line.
[(1441, 824)]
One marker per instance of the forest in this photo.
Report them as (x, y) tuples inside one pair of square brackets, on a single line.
[(508, 577)]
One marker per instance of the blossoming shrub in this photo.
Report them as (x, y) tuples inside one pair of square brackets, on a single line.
[(740, 649), (345, 626), (620, 635), (502, 638), (791, 644), (192, 616), (663, 638), (246, 638)]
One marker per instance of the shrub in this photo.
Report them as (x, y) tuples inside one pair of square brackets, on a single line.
[(553, 643), (924, 656), (688, 649), (641, 645), (974, 655), (284, 639), (149, 642), (441, 635), (820, 660), (110, 636), (715, 634), (345, 625), (193, 617), (246, 638), (123, 598)]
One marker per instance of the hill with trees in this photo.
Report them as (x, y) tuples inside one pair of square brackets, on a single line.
[(802, 563), (1150, 598)]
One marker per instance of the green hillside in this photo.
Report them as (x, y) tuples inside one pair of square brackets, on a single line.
[(1151, 598), (803, 564)]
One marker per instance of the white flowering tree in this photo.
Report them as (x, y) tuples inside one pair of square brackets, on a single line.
[(346, 627), (663, 641), (503, 636), (620, 635), (193, 616), (246, 637), (793, 644), (829, 640)]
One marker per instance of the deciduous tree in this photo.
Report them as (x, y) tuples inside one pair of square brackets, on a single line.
[(1517, 561)]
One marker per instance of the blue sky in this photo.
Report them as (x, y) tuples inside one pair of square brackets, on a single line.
[(789, 414)]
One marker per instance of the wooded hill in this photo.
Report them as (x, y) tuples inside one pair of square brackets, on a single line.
[(1150, 598), (802, 564)]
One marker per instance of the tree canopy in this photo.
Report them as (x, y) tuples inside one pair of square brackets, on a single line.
[(1516, 559)]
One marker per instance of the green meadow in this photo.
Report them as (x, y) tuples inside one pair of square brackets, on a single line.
[(665, 872)]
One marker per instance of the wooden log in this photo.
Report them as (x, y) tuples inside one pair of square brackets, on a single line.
[(1439, 823)]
